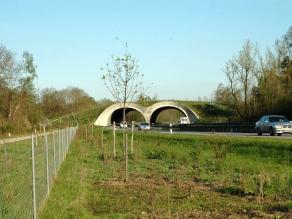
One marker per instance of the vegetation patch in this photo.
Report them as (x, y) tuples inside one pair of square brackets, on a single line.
[(173, 176)]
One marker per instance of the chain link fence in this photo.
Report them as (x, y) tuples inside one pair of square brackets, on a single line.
[(28, 167)]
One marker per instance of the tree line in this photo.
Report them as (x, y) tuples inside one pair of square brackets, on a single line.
[(22, 106), (259, 82)]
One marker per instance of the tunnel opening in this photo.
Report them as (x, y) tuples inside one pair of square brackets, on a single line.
[(166, 115), (131, 115)]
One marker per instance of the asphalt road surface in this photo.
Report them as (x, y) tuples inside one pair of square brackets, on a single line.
[(236, 134), (284, 136)]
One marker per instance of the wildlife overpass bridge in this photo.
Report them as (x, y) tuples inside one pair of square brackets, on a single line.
[(149, 114)]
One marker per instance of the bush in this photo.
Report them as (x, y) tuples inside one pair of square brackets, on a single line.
[(155, 155), (231, 190)]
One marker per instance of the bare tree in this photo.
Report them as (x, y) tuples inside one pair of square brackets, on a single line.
[(260, 83), (123, 80), (27, 75), (17, 77), (243, 72), (9, 75)]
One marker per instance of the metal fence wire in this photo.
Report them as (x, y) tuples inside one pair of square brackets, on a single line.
[(28, 167)]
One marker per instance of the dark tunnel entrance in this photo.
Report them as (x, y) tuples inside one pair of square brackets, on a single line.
[(131, 115), (167, 115)]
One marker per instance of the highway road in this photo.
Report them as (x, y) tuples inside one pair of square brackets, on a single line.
[(234, 134), (284, 136)]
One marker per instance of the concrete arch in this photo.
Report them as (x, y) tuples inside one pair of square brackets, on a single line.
[(148, 113), (105, 117), (156, 108)]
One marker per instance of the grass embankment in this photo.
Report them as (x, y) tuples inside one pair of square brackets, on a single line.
[(211, 112), (208, 112), (174, 177)]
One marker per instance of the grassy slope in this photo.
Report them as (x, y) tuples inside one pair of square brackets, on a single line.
[(207, 111), (210, 112), (177, 176)]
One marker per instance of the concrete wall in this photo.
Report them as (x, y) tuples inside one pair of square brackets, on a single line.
[(104, 118)]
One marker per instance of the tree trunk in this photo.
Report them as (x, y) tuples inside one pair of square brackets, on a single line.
[(125, 142), (17, 107), (245, 94), (124, 122), (126, 160), (9, 113), (235, 99)]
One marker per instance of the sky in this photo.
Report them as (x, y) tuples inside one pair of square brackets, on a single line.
[(181, 45)]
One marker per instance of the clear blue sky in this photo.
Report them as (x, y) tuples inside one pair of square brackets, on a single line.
[(182, 46)]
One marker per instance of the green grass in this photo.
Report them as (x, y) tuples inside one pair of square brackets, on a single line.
[(210, 112), (16, 176), (184, 176), (207, 112), (15, 180)]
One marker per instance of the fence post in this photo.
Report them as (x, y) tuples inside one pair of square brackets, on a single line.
[(102, 138), (36, 136), (63, 146), (66, 142), (86, 131), (132, 139), (67, 134), (126, 159), (114, 133), (59, 143), (5, 157), (33, 178), (47, 163), (92, 130), (54, 144)]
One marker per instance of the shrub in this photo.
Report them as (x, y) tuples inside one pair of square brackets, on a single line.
[(231, 190), (155, 155)]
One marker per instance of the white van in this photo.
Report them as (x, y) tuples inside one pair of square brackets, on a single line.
[(184, 120)]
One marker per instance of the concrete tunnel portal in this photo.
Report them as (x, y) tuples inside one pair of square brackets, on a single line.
[(117, 116), (156, 113), (147, 114)]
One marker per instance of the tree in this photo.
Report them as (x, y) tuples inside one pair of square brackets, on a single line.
[(146, 100), (26, 86), (16, 80), (223, 95), (66, 101), (123, 81), (260, 84), (9, 72), (242, 72)]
